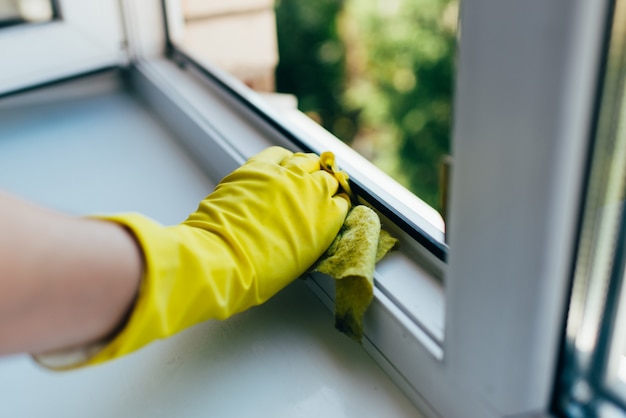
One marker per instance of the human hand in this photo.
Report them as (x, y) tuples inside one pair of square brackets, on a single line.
[(262, 227)]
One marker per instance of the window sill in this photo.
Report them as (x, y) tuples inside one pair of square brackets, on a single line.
[(70, 148), (404, 326)]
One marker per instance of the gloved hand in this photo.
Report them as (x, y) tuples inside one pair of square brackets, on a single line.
[(264, 225)]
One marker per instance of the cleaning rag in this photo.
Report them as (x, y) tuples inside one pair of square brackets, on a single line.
[(351, 259)]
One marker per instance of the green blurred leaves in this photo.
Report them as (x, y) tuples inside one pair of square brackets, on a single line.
[(379, 75)]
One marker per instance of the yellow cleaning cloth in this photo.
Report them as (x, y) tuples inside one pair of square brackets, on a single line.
[(351, 259)]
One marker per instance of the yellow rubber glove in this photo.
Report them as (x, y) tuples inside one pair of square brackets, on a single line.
[(264, 225)]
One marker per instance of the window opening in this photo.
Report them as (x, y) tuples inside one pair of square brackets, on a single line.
[(17, 12), (377, 74)]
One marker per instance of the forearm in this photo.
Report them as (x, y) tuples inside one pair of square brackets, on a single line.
[(64, 281)]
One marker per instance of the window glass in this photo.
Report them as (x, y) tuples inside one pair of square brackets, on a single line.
[(594, 375), (378, 74), (15, 12), (616, 360)]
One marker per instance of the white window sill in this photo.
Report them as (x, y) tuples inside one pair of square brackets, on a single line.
[(281, 359), (404, 326)]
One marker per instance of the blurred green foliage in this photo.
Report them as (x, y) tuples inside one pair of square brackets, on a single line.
[(311, 55), (379, 75)]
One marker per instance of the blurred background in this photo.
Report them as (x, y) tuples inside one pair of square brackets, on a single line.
[(15, 12), (378, 74)]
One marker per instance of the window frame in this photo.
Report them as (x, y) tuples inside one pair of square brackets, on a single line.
[(424, 224), (509, 249), (593, 346), (84, 37)]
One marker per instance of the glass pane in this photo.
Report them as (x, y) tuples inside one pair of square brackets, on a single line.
[(593, 378), (613, 327), (376, 73), (616, 364), (16, 12)]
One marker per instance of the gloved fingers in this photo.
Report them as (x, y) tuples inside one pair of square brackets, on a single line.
[(274, 155), (342, 200), (328, 163), (327, 160), (327, 180), (336, 214), (343, 178), (299, 161)]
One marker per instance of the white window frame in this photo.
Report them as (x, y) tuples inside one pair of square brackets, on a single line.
[(87, 37), (525, 89), (524, 101)]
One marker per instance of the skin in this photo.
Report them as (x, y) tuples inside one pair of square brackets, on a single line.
[(64, 281)]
